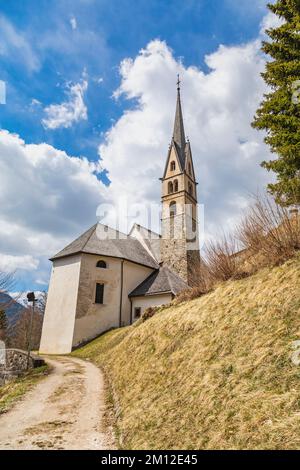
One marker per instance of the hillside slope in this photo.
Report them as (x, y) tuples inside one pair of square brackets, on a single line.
[(12, 308), (215, 372)]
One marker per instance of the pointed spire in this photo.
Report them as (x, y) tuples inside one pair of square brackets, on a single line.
[(178, 134)]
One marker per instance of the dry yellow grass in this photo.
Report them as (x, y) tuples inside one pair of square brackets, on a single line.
[(212, 373), (13, 391)]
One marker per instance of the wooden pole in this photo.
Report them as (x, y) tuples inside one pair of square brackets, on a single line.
[(30, 334)]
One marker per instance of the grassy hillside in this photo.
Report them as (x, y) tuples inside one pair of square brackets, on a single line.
[(215, 372)]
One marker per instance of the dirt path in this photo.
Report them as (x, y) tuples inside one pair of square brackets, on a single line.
[(64, 411)]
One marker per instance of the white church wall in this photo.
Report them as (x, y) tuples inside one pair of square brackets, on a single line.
[(93, 319), (59, 319), (134, 274), (72, 317), (149, 301)]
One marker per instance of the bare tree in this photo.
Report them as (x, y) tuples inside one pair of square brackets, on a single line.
[(266, 236), (42, 302), (270, 233), (205, 285), (19, 336), (222, 264)]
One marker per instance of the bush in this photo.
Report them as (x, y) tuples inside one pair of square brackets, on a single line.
[(205, 285), (222, 264), (269, 233)]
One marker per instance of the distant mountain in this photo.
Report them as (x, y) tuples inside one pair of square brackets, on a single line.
[(12, 308), (21, 297)]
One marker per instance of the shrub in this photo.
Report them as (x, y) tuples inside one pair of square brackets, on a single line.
[(205, 285), (269, 233), (222, 264)]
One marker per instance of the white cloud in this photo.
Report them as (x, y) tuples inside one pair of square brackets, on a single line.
[(41, 282), (12, 263), (15, 46), (73, 23), (47, 197), (218, 109), (69, 112), (270, 21), (35, 102)]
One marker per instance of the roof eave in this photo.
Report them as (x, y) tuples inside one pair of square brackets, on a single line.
[(152, 294), (106, 256)]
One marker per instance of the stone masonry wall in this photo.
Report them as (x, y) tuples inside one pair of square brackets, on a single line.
[(175, 249), (14, 363)]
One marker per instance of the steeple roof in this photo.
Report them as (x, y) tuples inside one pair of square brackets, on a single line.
[(178, 133)]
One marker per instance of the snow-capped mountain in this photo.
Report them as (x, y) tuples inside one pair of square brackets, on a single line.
[(21, 297), (11, 307)]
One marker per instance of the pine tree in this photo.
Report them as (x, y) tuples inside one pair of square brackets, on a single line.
[(279, 113)]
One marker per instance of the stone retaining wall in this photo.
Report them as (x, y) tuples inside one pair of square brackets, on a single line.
[(14, 364)]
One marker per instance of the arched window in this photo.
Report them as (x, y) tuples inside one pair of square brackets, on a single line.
[(190, 189), (173, 209), (190, 169), (176, 186), (101, 264), (173, 166), (170, 188)]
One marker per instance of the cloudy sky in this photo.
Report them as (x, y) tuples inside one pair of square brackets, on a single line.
[(90, 102)]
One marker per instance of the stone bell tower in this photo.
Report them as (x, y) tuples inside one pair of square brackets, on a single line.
[(180, 242)]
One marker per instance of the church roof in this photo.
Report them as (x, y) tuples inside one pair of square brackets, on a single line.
[(161, 281), (118, 245), (147, 233)]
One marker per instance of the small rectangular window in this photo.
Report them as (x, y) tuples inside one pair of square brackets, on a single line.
[(137, 312), (99, 293)]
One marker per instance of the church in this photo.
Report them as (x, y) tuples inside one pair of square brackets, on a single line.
[(106, 279)]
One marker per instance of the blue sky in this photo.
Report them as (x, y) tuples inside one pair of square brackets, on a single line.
[(61, 52), (107, 31)]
